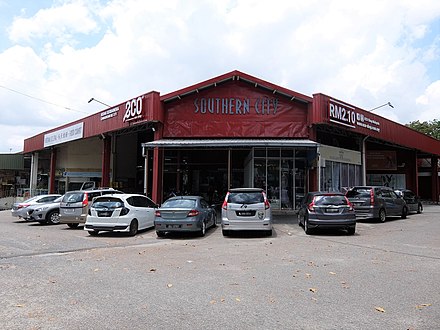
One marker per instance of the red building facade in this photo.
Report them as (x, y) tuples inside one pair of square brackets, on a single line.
[(236, 130)]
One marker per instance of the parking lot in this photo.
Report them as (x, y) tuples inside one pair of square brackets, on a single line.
[(386, 276)]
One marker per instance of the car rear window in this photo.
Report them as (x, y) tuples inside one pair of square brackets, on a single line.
[(73, 197), (245, 197), (107, 202), (179, 203), (330, 200), (359, 192)]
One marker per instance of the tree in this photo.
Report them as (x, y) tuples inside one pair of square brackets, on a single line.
[(431, 128)]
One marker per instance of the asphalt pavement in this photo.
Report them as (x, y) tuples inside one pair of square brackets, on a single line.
[(383, 277)]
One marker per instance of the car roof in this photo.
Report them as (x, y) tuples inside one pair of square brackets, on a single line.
[(92, 190), (118, 195), (185, 197), (246, 189), (329, 193)]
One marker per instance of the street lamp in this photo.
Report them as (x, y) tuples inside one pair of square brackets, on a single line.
[(93, 99), (380, 106)]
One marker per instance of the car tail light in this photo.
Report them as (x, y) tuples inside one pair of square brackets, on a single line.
[(23, 205), (157, 214), (85, 201), (225, 203), (193, 213), (350, 206), (266, 204), (372, 196), (311, 207), (124, 211)]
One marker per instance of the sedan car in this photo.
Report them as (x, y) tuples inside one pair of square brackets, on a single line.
[(48, 213), (413, 201), (185, 214), (125, 213), (246, 209), (326, 210), (20, 209)]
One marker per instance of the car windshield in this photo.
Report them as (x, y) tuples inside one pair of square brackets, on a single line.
[(359, 192), (330, 200), (107, 203), (245, 197), (179, 203), (58, 200)]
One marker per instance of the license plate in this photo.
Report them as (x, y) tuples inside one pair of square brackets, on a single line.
[(69, 211), (243, 213), (332, 210), (173, 226)]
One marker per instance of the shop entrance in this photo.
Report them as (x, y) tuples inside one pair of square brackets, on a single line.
[(280, 172)]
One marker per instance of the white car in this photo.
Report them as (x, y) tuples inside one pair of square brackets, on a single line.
[(126, 213)]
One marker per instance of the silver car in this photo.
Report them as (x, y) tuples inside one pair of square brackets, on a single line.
[(20, 209), (246, 209), (48, 213)]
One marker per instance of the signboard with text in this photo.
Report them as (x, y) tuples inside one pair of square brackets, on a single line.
[(343, 114), (66, 134)]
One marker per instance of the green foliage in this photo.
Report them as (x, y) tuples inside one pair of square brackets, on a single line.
[(431, 128)]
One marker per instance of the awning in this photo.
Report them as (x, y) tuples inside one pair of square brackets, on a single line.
[(196, 143)]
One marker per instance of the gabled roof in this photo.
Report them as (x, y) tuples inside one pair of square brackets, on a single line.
[(235, 76)]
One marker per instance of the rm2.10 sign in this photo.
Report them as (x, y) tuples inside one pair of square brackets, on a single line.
[(133, 109)]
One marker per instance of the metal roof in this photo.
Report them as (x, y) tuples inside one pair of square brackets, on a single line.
[(193, 143)]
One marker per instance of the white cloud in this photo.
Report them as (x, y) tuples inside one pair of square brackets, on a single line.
[(363, 53)]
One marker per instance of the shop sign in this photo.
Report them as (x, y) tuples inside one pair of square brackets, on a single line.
[(66, 134), (133, 109), (344, 114), (107, 114), (235, 106)]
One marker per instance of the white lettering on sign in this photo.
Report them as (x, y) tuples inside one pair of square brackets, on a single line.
[(235, 106), (109, 113), (133, 109), (344, 114)]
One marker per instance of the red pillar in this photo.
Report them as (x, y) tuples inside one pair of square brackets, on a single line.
[(105, 168), (53, 164)]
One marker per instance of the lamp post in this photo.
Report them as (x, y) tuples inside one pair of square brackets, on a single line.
[(93, 99), (380, 106)]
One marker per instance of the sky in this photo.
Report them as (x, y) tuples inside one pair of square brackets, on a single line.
[(56, 55)]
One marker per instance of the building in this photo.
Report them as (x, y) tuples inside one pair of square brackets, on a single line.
[(235, 130)]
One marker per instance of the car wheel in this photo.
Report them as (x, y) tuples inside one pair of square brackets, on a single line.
[(160, 234), (307, 230), (133, 227), (404, 212), (225, 232), (73, 225), (203, 229), (419, 208), (382, 215), (93, 232), (53, 217), (299, 220), (215, 221), (351, 230)]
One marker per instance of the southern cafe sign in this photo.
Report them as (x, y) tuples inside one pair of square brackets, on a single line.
[(235, 106), (346, 115)]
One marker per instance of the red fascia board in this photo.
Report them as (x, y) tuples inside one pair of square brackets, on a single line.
[(234, 75)]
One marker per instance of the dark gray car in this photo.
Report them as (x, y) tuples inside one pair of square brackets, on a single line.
[(326, 210), (376, 202), (413, 201)]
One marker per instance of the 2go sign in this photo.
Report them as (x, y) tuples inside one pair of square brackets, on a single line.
[(133, 109)]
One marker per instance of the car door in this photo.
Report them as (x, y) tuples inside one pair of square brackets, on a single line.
[(391, 201), (207, 211), (144, 211)]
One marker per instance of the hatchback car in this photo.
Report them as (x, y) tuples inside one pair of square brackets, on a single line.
[(413, 201), (125, 213), (48, 213), (376, 202), (246, 209), (74, 206), (20, 209), (185, 214), (326, 210)]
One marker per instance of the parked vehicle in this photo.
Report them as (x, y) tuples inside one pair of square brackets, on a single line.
[(127, 213), (376, 202), (20, 209), (48, 213), (246, 209), (74, 206), (326, 210), (413, 201), (185, 214)]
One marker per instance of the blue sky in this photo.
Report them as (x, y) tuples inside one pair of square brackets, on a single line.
[(56, 55)]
